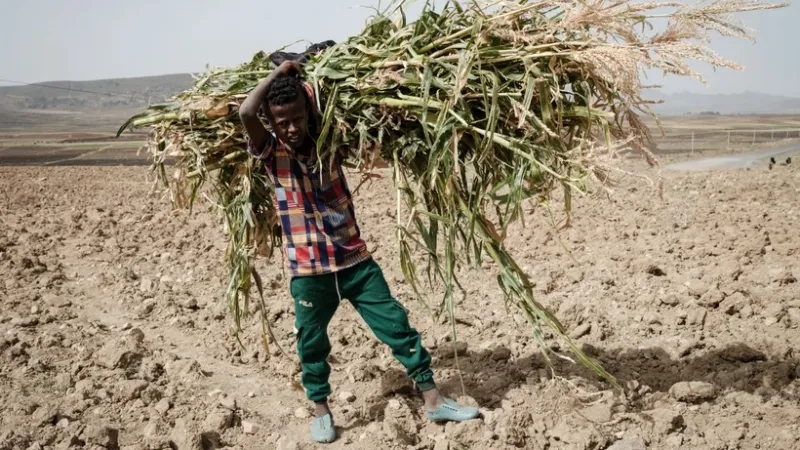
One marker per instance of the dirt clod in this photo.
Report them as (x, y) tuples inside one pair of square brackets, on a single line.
[(227, 402), (163, 406), (711, 299), (137, 335), (629, 443), (696, 288), (347, 397), (302, 413), (666, 421), (794, 317), (155, 429), (285, 443), (191, 304), (146, 285), (449, 350), (671, 300), (501, 353), (399, 425), (63, 382), (599, 413), (120, 353), (101, 435), (697, 317), (45, 415), (184, 436), (25, 322), (773, 313), (250, 428), (742, 353), (693, 391), (686, 346), (581, 330), (145, 308), (151, 395), (734, 303), (470, 431), (70, 441), (442, 444), (131, 389), (218, 420)]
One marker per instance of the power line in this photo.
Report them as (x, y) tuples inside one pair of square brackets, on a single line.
[(108, 94)]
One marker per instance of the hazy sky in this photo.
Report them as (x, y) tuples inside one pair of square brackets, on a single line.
[(43, 40)]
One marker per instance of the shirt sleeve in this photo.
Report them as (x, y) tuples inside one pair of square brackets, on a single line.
[(262, 153)]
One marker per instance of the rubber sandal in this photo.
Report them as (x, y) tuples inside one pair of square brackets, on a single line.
[(451, 411), (322, 429)]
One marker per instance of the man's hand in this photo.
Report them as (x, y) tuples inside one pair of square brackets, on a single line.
[(290, 68)]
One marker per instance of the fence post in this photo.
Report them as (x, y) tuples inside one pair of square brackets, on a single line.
[(692, 143), (728, 146)]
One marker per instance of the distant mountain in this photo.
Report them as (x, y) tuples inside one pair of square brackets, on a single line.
[(131, 93), (119, 93), (745, 103)]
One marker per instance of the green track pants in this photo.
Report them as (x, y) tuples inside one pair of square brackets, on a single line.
[(316, 299)]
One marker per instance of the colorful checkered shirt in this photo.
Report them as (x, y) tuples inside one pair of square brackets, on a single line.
[(315, 206)]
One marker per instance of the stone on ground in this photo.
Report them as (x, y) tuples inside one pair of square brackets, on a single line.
[(693, 391)]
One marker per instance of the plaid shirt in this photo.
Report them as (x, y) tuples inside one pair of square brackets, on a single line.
[(315, 206)]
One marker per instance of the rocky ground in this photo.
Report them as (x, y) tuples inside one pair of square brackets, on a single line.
[(113, 331)]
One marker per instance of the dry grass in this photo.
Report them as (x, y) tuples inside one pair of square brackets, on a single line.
[(480, 110)]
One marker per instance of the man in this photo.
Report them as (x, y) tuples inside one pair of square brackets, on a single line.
[(327, 258)]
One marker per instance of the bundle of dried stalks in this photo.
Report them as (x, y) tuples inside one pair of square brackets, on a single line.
[(478, 110)]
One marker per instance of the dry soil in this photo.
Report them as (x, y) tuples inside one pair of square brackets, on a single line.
[(113, 329)]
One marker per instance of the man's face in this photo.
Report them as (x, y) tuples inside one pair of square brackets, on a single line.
[(290, 122)]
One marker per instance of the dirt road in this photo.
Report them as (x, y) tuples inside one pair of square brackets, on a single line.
[(113, 332)]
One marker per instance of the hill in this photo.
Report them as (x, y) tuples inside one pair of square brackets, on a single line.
[(725, 104), (110, 94)]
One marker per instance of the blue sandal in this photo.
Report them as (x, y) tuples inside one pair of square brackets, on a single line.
[(322, 429), (452, 411)]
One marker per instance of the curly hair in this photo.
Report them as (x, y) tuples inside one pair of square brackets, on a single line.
[(284, 90)]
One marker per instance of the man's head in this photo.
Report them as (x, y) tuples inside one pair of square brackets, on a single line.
[(289, 110)]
